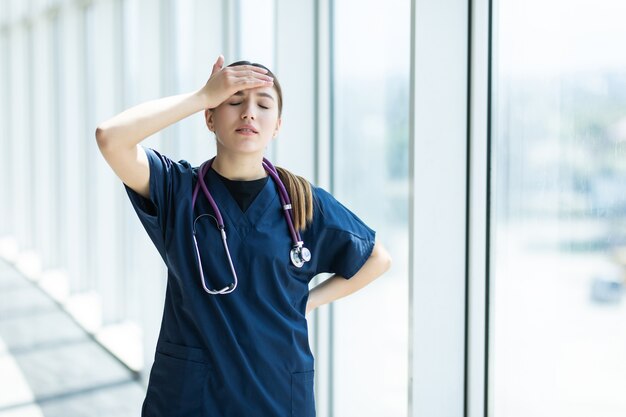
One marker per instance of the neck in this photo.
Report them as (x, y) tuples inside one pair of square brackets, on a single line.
[(238, 167)]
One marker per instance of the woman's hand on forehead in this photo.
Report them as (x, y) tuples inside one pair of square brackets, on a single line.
[(225, 82)]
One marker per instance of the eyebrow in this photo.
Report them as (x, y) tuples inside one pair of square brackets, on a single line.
[(241, 93)]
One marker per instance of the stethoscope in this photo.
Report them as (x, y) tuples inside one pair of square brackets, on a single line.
[(298, 253)]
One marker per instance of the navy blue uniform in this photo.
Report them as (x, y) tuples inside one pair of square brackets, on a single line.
[(246, 353)]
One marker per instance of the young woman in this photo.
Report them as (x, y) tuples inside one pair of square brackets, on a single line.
[(241, 240)]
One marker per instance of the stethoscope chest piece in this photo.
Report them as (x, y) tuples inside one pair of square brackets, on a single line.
[(299, 255)]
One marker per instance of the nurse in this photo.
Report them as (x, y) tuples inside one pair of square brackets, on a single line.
[(241, 240)]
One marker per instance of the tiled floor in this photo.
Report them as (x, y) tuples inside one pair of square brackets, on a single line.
[(49, 366)]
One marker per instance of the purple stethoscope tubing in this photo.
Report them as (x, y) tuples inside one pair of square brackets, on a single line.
[(299, 254), (285, 201)]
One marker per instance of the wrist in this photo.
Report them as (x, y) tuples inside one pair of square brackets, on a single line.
[(204, 99)]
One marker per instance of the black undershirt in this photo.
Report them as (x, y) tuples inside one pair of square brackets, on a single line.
[(244, 192)]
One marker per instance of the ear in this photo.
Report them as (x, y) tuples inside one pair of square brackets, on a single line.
[(208, 117), (279, 122)]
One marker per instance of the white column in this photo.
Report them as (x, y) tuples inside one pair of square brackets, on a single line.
[(74, 142), (59, 248), (6, 144), (129, 90), (20, 130), (43, 136), (438, 146), (105, 186)]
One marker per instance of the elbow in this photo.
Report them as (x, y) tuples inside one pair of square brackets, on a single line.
[(387, 261), (383, 257), (101, 137), (105, 139)]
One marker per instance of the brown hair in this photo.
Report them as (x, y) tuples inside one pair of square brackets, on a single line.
[(298, 188)]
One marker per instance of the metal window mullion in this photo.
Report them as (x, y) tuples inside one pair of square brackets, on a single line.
[(321, 317), (477, 342), (331, 187)]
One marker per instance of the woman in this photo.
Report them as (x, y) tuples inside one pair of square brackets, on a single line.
[(233, 339)]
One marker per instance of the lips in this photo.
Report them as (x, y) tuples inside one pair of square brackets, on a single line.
[(247, 129)]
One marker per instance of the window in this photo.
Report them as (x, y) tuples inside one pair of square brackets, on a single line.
[(370, 176), (559, 209), (256, 36)]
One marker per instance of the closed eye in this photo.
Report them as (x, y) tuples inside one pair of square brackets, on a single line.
[(236, 104)]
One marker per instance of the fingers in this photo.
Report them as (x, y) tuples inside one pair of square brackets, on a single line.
[(225, 81), (249, 68), (218, 64), (254, 78), (249, 82), (251, 73), (248, 76)]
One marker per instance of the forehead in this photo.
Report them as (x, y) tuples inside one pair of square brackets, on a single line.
[(259, 91)]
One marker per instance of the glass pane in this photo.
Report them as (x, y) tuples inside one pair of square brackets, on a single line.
[(256, 31), (130, 57), (558, 310), (371, 178)]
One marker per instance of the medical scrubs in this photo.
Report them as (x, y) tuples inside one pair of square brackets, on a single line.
[(246, 353)]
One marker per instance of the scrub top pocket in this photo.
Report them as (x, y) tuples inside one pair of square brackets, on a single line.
[(302, 398), (178, 382)]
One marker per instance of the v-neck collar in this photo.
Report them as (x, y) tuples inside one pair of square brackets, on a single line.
[(227, 205)]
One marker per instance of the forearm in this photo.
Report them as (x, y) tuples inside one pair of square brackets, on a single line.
[(337, 287), (133, 125)]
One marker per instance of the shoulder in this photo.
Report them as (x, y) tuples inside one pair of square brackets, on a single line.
[(167, 163), (169, 179), (327, 207), (321, 198), (165, 170)]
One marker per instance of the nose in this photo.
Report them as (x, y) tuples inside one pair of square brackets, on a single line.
[(247, 111)]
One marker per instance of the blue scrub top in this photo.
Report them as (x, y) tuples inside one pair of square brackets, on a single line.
[(245, 353)]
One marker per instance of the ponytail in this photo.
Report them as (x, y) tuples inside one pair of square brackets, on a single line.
[(299, 190)]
